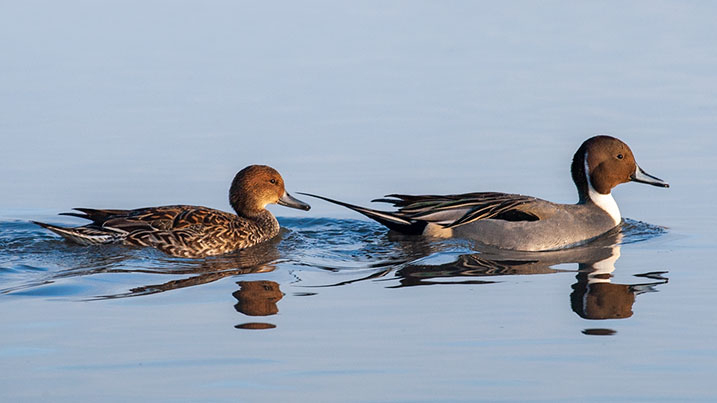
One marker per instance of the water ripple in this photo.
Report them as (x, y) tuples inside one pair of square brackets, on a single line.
[(34, 262)]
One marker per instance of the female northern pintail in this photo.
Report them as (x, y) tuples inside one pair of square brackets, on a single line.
[(513, 221), (192, 231)]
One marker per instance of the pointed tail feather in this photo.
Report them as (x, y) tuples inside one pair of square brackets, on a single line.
[(98, 216), (84, 235), (389, 219), (73, 214)]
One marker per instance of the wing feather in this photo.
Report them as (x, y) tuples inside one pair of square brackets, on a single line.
[(454, 210)]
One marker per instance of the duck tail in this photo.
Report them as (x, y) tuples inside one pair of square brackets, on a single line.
[(85, 235), (97, 216), (394, 221)]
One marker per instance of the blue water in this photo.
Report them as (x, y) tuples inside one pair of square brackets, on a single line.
[(330, 300), (38, 263), (140, 103)]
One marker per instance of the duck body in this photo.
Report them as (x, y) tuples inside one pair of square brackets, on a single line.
[(181, 230), (518, 222), (555, 226), (191, 231)]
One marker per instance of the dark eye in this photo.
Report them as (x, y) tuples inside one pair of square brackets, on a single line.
[(619, 156), (273, 181)]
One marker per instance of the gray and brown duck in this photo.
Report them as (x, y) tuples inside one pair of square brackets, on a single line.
[(192, 231), (519, 222)]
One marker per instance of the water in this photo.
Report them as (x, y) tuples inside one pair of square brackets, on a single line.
[(331, 300), (123, 105), (37, 263)]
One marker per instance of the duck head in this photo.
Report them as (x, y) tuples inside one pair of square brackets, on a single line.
[(258, 185), (603, 162)]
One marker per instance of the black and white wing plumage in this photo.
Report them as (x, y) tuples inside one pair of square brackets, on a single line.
[(454, 210), (414, 212)]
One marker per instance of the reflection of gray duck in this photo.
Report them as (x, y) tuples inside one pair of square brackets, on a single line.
[(594, 296), (602, 300), (257, 298), (472, 265), (192, 231), (496, 262)]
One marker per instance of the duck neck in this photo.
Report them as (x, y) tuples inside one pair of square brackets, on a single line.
[(606, 202), (586, 191), (251, 213), (579, 170), (244, 207)]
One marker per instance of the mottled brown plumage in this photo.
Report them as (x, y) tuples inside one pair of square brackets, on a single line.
[(192, 231)]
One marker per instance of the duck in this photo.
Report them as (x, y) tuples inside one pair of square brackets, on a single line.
[(191, 231), (518, 222)]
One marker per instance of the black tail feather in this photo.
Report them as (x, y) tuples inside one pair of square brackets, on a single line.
[(391, 220), (95, 215), (79, 215)]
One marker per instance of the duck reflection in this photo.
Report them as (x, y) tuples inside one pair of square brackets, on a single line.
[(211, 275), (472, 265), (257, 259), (257, 298), (491, 262), (594, 296)]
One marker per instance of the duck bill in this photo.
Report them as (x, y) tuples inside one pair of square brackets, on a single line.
[(290, 201), (643, 177)]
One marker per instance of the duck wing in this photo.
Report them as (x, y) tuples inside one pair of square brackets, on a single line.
[(190, 231), (416, 211), (169, 228), (454, 210), (152, 218)]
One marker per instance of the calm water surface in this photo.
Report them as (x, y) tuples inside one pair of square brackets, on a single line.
[(331, 302), (129, 104)]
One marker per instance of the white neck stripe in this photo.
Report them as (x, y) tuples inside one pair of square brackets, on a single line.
[(604, 201)]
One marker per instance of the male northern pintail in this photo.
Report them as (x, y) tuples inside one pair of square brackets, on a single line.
[(192, 231), (517, 222)]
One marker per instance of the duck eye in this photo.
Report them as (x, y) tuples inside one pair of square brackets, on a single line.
[(272, 181), (619, 156)]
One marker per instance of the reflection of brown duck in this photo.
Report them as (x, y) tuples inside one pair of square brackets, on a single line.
[(200, 279), (257, 259), (257, 298)]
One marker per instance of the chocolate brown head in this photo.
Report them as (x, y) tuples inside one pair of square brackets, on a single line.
[(608, 163), (258, 185)]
